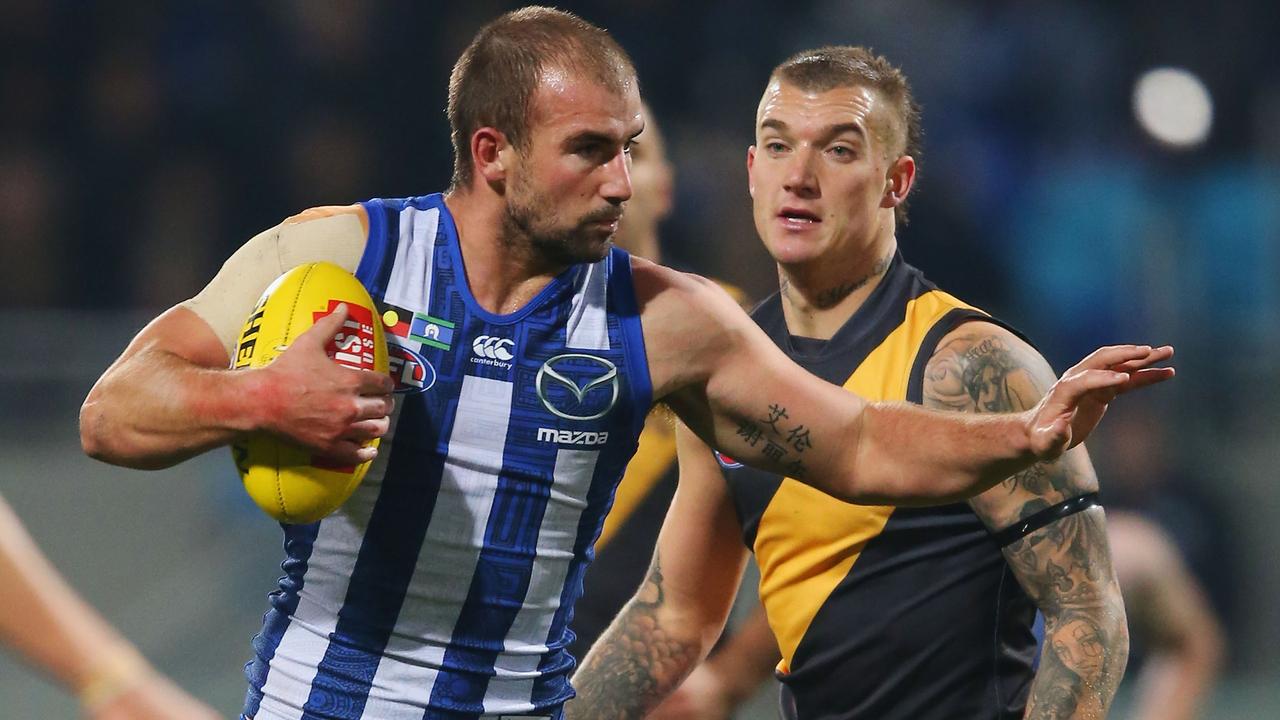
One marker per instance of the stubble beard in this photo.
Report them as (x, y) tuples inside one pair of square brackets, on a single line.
[(524, 230)]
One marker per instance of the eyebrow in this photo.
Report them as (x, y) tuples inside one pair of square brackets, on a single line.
[(590, 136), (829, 132)]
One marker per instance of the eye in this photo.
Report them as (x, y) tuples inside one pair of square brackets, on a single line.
[(775, 147), (842, 152)]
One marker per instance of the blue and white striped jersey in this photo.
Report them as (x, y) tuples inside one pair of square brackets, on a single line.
[(444, 587)]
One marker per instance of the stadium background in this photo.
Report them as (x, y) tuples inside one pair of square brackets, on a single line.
[(141, 142)]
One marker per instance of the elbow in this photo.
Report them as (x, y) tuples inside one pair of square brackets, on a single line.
[(111, 445), (93, 440)]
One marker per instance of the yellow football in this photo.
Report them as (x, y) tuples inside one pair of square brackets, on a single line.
[(282, 478)]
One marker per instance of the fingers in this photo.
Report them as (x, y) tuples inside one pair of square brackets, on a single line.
[(1156, 355), (1145, 377), (347, 452), (1112, 355), (320, 333), (372, 407), (374, 383), (366, 430), (1075, 385)]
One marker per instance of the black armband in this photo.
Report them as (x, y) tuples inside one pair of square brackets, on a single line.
[(1028, 525)]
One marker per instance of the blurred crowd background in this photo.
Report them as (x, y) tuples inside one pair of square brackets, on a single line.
[(141, 142)]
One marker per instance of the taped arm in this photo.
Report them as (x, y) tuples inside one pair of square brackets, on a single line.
[(670, 624), (169, 396), (1056, 539)]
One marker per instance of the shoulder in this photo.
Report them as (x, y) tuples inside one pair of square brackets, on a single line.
[(337, 233), (661, 290), (690, 323), (983, 367), (354, 211)]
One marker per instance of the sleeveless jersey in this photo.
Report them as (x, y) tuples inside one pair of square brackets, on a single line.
[(444, 587), (884, 612)]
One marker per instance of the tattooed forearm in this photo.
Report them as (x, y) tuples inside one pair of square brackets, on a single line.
[(1066, 568), (636, 663)]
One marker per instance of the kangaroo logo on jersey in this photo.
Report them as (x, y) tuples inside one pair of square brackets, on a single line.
[(412, 372), (577, 386)]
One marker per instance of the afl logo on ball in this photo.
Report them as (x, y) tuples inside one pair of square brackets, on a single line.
[(577, 386), (412, 372)]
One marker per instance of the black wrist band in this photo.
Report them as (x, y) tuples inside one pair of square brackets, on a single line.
[(1026, 526)]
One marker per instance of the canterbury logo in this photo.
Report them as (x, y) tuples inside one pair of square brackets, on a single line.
[(494, 348)]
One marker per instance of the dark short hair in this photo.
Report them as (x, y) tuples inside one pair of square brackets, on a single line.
[(827, 68), (495, 78)]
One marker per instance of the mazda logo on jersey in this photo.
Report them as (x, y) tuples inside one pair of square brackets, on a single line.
[(576, 386)]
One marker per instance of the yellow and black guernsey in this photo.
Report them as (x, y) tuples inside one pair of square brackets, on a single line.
[(882, 612)]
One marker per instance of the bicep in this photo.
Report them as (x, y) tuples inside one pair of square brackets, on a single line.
[(738, 391), (983, 368), (757, 406)]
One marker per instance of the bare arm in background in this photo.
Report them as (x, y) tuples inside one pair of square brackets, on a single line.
[(1169, 611), (1065, 566), (54, 630)]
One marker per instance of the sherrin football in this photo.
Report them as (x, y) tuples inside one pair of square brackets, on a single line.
[(284, 479)]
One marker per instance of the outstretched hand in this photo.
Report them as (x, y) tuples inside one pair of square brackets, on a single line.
[(1075, 404)]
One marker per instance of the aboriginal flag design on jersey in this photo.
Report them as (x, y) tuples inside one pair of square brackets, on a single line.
[(884, 612)]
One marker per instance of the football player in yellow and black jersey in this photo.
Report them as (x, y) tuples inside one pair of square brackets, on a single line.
[(879, 612)]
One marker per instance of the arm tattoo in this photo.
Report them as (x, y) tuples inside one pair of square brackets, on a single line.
[(1066, 566), (636, 663)]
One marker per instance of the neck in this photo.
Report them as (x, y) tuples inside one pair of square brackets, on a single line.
[(503, 269), (642, 243), (818, 298)]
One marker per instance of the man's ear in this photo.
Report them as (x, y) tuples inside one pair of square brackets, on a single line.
[(898, 181), (491, 154)]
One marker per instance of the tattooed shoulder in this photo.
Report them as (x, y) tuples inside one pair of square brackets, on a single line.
[(981, 367)]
